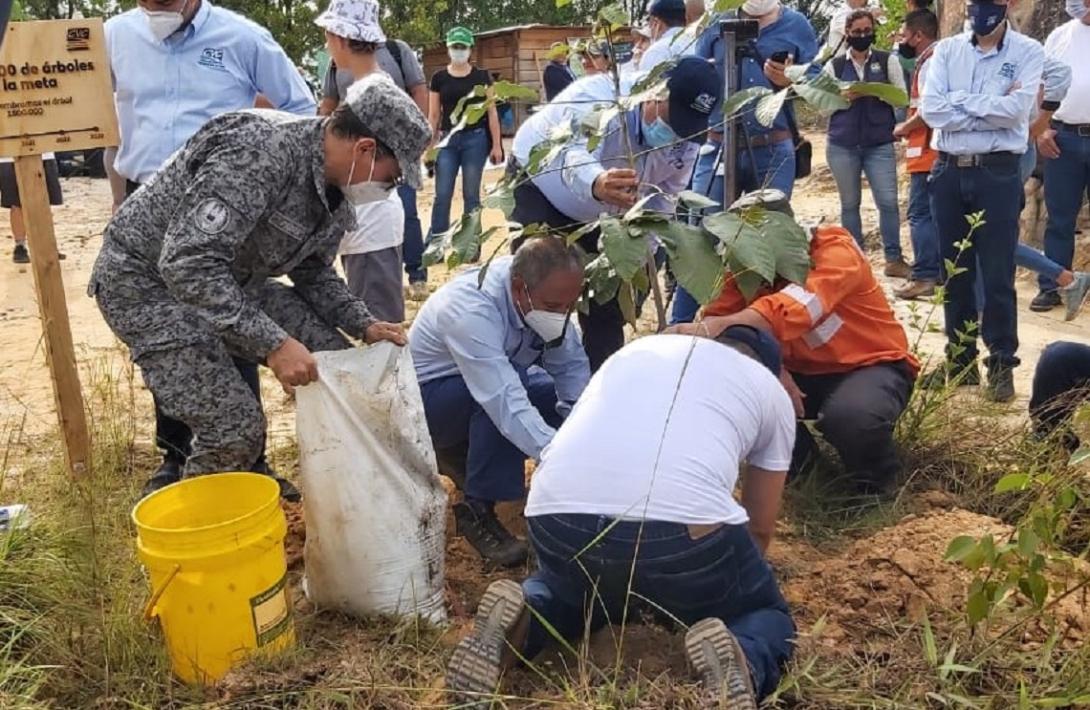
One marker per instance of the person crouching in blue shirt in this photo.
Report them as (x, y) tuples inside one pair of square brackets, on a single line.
[(979, 95), (499, 365)]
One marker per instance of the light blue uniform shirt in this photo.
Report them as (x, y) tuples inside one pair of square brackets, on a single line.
[(165, 91), (568, 181), (477, 333), (981, 102)]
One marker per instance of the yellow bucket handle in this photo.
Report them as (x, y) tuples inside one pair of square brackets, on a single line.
[(149, 609)]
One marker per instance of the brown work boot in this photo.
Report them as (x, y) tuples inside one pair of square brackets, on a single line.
[(915, 289), (898, 269)]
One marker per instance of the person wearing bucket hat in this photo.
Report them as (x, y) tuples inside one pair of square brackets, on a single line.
[(665, 133), (847, 364), (358, 20), (710, 414), (557, 75), (186, 273), (595, 57), (467, 149), (370, 254)]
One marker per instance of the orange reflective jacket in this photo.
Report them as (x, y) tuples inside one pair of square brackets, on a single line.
[(838, 321), (919, 155)]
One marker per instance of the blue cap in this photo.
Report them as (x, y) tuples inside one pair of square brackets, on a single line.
[(760, 342), (695, 91), (667, 9)]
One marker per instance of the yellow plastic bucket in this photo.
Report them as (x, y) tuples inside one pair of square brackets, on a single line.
[(214, 550)]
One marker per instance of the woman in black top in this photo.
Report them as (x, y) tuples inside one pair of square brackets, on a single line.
[(469, 148)]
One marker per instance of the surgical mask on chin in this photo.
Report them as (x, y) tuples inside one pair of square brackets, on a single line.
[(364, 193), (549, 326), (164, 23), (1077, 9), (658, 134), (986, 17), (459, 56)]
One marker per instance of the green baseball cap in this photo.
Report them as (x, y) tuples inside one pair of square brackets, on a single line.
[(460, 35)]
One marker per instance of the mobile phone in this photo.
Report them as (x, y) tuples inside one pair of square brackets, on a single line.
[(780, 57)]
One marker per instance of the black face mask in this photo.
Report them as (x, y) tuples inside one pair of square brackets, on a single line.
[(861, 44), (906, 50)]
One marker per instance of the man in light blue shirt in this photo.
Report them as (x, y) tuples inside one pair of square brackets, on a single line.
[(176, 64), (581, 184), (979, 96), (474, 343), (211, 62)]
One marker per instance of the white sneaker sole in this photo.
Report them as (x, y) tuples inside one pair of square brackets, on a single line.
[(716, 656), (476, 665)]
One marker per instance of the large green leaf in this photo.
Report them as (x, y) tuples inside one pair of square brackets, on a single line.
[(768, 107), (739, 99), (656, 75), (892, 95), (789, 241), (694, 260), (743, 245), (501, 197), (462, 241), (562, 3), (825, 101), (626, 299), (627, 254), (695, 200), (478, 92), (749, 282), (650, 92), (614, 15), (724, 5), (509, 91), (602, 279)]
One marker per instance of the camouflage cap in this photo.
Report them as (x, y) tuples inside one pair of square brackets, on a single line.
[(394, 119)]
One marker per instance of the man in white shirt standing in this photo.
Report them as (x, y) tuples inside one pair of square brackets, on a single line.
[(647, 463), (666, 20), (1066, 144)]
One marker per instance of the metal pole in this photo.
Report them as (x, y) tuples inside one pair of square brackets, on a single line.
[(730, 128)]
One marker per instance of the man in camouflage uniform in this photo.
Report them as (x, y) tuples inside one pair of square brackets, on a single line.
[(185, 274)]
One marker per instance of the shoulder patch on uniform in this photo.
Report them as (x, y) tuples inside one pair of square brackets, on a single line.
[(213, 215)]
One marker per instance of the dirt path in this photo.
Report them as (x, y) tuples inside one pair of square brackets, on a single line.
[(26, 397)]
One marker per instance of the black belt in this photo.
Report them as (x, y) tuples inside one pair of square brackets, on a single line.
[(982, 160), (1082, 130)]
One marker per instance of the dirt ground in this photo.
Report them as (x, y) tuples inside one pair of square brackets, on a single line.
[(860, 593)]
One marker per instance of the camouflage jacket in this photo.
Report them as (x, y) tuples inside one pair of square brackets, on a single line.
[(244, 200)]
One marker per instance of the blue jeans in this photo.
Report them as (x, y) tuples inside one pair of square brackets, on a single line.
[(1067, 179), (925, 237), (1060, 384), (585, 562), (467, 151), (775, 168), (495, 468), (879, 163), (412, 251), (996, 190)]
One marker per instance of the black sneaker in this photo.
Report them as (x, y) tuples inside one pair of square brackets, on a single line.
[(715, 655), (1000, 387), (951, 373), (483, 530), (170, 471), (478, 661), (288, 491), (1045, 301), (20, 255)]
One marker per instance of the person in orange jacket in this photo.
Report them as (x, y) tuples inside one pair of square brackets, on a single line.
[(847, 364)]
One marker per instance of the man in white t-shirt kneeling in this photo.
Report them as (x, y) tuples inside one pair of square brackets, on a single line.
[(647, 463)]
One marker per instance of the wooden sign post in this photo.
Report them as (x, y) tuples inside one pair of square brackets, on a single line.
[(55, 95)]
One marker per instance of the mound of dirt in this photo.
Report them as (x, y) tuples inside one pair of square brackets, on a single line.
[(898, 573)]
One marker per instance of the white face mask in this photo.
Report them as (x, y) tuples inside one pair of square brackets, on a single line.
[(164, 23), (548, 325), (1077, 9), (367, 192), (459, 56)]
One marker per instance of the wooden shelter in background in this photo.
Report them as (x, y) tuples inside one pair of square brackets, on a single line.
[(515, 54)]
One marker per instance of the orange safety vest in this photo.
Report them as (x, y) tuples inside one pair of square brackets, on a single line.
[(838, 321), (919, 155)]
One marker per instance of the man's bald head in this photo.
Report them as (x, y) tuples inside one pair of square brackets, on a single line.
[(694, 10), (547, 274)]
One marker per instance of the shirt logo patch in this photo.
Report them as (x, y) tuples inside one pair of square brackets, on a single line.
[(1007, 70), (212, 216), (704, 103), (212, 58), (286, 224)]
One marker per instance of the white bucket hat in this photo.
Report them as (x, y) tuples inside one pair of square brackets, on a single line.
[(353, 19)]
